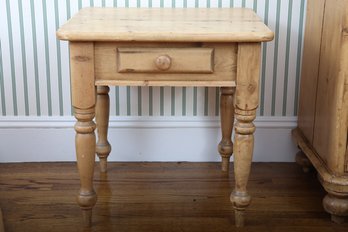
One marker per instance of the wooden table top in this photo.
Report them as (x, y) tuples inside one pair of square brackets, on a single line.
[(166, 25)]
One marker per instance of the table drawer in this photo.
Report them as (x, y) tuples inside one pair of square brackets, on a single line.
[(168, 60), (165, 63)]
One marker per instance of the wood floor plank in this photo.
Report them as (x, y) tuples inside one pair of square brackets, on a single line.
[(161, 197), (1, 222)]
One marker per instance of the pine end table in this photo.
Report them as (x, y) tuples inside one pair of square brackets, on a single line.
[(165, 47)]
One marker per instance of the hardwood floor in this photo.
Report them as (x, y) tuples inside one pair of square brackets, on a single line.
[(1, 222), (161, 197)]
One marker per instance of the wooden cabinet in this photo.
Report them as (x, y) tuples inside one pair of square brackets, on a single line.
[(323, 108)]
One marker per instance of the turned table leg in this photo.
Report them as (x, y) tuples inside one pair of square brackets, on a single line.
[(227, 118), (83, 94), (246, 102), (102, 119), (85, 147), (244, 144)]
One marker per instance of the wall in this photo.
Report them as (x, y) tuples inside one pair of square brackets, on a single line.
[(35, 91)]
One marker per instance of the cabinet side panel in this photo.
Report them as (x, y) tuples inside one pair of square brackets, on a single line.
[(330, 119), (344, 75), (345, 106), (310, 67)]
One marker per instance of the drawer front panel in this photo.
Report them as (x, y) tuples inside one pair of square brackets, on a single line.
[(190, 62), (169, 60)]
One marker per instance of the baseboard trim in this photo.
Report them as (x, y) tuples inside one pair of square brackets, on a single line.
[(167, 139)]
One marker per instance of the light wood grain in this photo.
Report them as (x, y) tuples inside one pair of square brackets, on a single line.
[(318, 162), (336, 205), (248, 71), (103, 147), (310, 66), (174, 25), (225, 146), (343, 106), (336, 201), (323, 111), (82, 74), (177, 47), (246, 102), (330, 128), (83, 100), (225, 62), (178, 60), (166, 83)]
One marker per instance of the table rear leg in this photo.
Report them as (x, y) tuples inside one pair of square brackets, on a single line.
[(103, 148), (226, 118)]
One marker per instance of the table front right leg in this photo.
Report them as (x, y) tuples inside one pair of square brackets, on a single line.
[(83, 94), (246, 103)]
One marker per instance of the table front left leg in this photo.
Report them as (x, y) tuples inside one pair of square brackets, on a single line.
[(85, 154), (246, 102), (83, 94)]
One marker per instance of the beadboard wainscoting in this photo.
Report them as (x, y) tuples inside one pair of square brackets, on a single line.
[(147, 123)]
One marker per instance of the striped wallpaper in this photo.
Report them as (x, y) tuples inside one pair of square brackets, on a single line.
[(34, 67)]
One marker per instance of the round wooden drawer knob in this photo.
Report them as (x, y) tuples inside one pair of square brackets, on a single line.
[(163, 62)]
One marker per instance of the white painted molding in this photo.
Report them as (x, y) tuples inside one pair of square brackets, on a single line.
[(141, 122), (46, 139)]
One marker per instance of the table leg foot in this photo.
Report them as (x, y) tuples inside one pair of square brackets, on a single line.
[(103, 164), (225, 164), (240, 201), (87, 217), (86, 201), (239, 217)]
